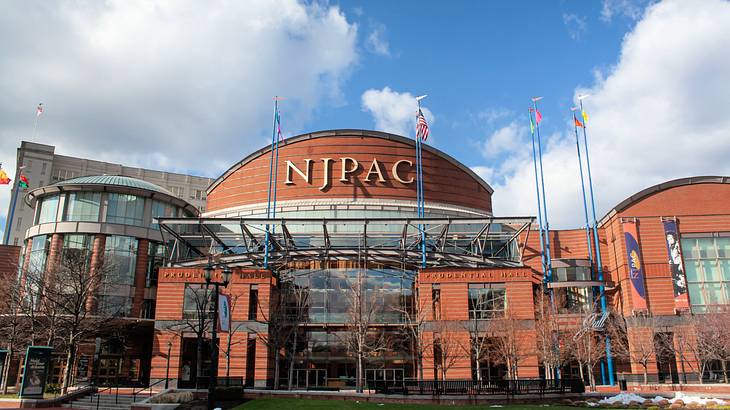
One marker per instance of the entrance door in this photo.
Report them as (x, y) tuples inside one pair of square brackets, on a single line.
[(310, 378), (188, 377)]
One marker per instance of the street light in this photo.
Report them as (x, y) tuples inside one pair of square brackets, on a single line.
[(208, 270), (167, 373)]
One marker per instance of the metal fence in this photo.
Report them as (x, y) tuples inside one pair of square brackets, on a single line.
[(477, 387)]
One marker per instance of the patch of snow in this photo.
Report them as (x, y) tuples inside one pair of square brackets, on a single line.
[(626, 398)]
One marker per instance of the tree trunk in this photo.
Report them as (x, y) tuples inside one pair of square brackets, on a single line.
[(199, 361), (6, 368), (724, 370), (420, 363), (580, 370), (591, 379), (276, 369), (358, 383), (228, 357), (479, 369), (69, 365), (646, 376), (291, 359)]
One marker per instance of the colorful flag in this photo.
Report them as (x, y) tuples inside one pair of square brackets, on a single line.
[(538, 116), (532, 126), (421, 127), (585, 117), (4, 180), (23, 182), (278, 126), (39, 110), (577, 122)]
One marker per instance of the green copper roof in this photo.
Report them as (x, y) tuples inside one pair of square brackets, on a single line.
[(117, 180)]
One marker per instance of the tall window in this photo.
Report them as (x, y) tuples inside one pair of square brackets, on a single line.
[(120, 259), (253, 302), (707, 267), (155, 259), (197, 299), (77, 248), (125, 209), (49, 208), (161, 210), (486, 300), (83, 206), (574, 299), (39, 253)]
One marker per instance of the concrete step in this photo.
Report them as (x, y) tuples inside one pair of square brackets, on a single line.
[(89, 406)]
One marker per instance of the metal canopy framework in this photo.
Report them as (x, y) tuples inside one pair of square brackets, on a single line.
[(450, 242)]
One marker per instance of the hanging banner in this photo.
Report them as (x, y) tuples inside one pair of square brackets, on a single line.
[(35, 371), (674, 250), (636, 272), (224, 312)]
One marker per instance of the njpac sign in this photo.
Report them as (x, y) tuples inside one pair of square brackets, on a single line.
[(348, 167)]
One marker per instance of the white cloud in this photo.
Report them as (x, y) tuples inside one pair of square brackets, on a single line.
[(575, 24), (505, 139), (178, 85), (492, 115), (631, 9), (376, 42), (659, 114), (393, 111)]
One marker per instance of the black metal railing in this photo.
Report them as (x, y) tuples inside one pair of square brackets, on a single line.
[(477, 387), (141, 390)]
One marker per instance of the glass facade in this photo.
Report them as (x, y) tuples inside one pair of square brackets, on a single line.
[(197, 299), (77, 247), (39, 253), (486, 300), (48, 209), (155, 259), (331, 293), (161, 209), (707, 265), (125, 209), (120, 259), (83, 206)]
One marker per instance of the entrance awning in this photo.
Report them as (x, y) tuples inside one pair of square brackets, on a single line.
[(450, 242)]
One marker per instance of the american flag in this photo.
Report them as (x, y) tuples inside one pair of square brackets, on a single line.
[(421, 127)]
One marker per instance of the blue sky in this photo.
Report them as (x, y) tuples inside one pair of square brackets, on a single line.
[(181, 87)]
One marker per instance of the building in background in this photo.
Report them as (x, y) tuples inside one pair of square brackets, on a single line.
[(101, 225), (43, 166)]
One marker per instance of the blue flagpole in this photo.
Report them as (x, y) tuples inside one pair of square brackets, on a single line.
[(583, 191), (544, 199), (9, 222), (539, 207), (419, 190), (268, 195), (609, 358)]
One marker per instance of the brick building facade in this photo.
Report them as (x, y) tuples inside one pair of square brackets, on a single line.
[(346, 224)]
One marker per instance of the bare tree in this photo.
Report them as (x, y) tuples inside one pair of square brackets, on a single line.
[(508, 349), (64, 294), (415, 318), (283, 317), (586, 349), (448, 346), (360, 338), (644, 347), (197, 319), (13, 323), (235, 328), (551, 347)]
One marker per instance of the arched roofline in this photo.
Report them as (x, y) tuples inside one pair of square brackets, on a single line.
[(647, 192), (354, 133)]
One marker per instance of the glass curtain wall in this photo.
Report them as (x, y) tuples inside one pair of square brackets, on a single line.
[(120, 259), (125, 209), (48, 209), (707, 265), (83, 206)]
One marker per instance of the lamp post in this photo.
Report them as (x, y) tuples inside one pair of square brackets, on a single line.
[(167, 372), (213, 334)]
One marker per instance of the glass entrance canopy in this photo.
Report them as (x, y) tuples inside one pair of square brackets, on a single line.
[(449, 242)]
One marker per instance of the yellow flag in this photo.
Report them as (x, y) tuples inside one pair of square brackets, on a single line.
[(585, 116)]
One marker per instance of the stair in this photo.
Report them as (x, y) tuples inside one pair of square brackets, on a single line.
[(106, 402)]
